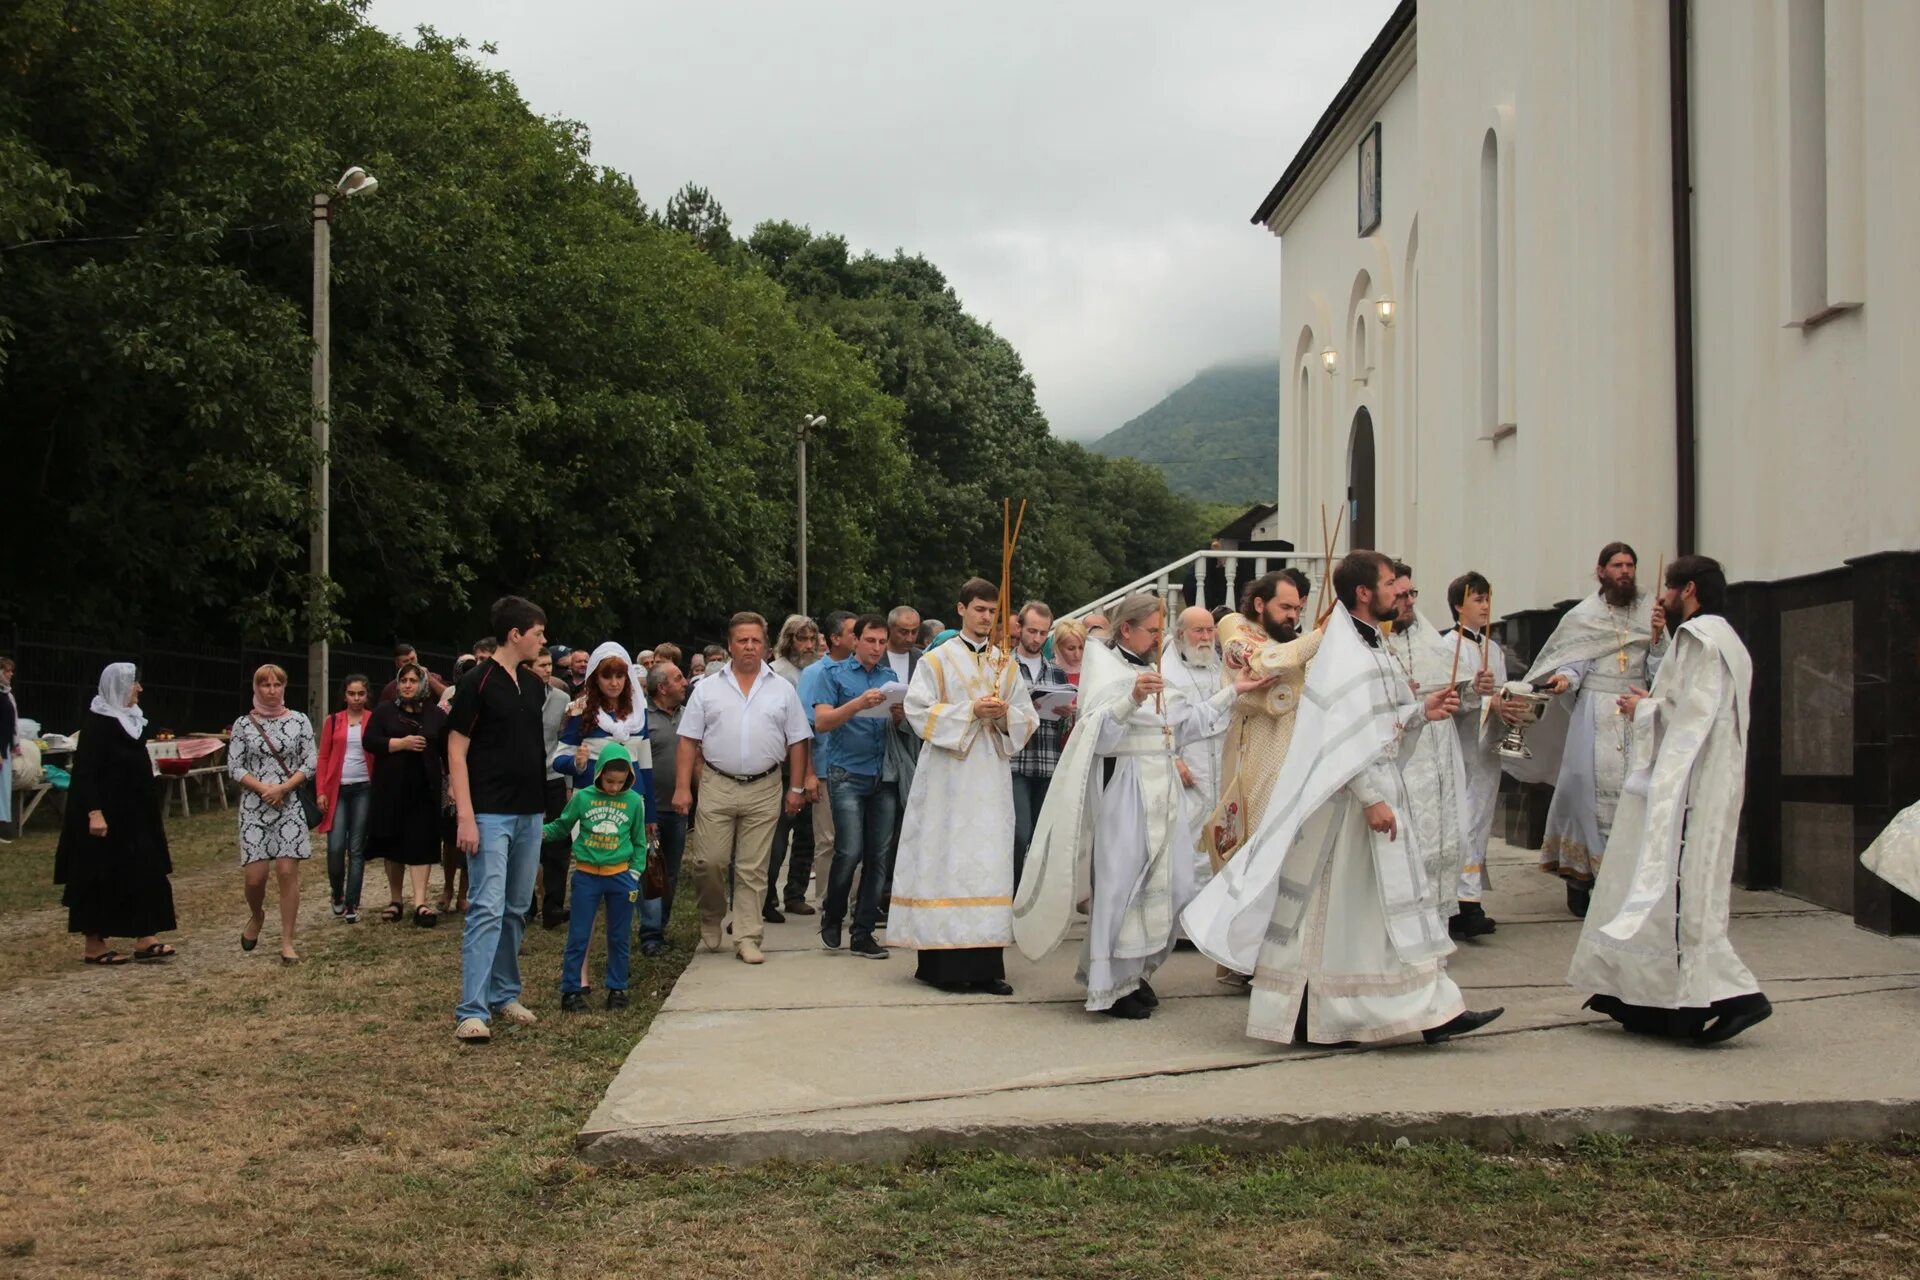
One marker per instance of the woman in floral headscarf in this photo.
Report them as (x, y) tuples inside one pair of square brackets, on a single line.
[(113, 856)]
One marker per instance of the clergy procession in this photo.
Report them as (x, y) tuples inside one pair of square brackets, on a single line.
[(1308, 803)]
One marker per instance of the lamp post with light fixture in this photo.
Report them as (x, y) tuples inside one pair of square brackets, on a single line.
[(354, 182), (807, 424)]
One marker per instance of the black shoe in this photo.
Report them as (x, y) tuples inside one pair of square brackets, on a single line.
[(772, 915), (1579, 894), (652, 949), (951, 988), (1472, 921), (573, 1002), (868, 949), (1471, 1020), (1731, 1017), (616, 1000), (994, 987), (800, 908), (1144, 994), (1129, 1006), (830, 936), (553, 919)]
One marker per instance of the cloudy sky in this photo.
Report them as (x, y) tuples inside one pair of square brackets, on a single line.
[(1082, 171)]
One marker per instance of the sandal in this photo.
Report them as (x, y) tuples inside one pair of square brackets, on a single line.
[(426, 917), (158, 951), (105, 957), (393, 912)]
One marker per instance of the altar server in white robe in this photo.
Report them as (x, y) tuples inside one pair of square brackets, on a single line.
[(1326, 903), (1481, 727), (1654, 946), (953, 872), (1110, 835), (1194, 673), (1435, 772), (1607, 644)]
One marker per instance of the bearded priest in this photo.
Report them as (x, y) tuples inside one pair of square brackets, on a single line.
[(1193, 673), (1607, 644), (1326, 905), (953, 875), (1110, 835), (1655, 946)]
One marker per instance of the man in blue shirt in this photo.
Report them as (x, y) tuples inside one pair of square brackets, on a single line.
[(863, 802)]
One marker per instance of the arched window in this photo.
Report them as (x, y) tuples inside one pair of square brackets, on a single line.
[(1362, 360), (1360, 502)]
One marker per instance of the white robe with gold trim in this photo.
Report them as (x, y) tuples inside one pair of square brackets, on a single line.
[(953, 872)]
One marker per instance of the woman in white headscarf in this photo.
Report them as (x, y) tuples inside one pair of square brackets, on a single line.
[(113, 856)]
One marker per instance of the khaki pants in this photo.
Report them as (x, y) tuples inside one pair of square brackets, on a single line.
[(735, 830), (822, 842)]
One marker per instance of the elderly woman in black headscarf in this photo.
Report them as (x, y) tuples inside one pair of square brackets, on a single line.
[(405, 743), (113, 856)]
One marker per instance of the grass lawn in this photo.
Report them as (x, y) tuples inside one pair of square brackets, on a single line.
[(221, 1116)]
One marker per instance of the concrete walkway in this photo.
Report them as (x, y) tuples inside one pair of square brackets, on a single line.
[(819, 1055)]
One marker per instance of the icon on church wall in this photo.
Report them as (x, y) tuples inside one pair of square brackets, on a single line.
[(1370, 179)]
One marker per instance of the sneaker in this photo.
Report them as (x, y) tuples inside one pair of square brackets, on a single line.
[(616, 1000), (339, 908), (351, 915), (573, 1002), (868, 949), (710, 936), (473, 1031), (799, 908), (748, 951), (651, 949), (772, 915), (830, 936), (514, 1011)]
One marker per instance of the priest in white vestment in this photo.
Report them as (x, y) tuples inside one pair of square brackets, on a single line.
[(1480, 726), (1654, 946), (1326, 904), (1607, 644), (1894, 855), (1111, 834), (953, 873), (1265, 643), (1435, 772), (1193, 672)]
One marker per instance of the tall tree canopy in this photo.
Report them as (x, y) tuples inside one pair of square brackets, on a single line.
[(539, 384)]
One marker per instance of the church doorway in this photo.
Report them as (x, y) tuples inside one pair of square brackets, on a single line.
[(1360, 507)]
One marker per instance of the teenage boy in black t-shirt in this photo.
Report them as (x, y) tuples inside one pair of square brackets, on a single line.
[(496, 763)]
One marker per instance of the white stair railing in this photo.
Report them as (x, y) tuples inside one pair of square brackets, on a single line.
[(1240, 567)]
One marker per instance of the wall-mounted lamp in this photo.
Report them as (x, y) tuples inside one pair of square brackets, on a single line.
[(1330, 360), (1383, 307)]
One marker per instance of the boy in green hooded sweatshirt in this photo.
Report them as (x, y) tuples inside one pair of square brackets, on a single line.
[(608, 825)]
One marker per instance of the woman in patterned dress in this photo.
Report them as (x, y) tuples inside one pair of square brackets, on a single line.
[(271, 752)]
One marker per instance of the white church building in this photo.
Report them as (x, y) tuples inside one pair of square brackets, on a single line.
[(1555, 272)]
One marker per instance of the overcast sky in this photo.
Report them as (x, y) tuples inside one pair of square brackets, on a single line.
[(1083, 172)]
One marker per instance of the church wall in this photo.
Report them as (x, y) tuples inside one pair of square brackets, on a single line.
[(1808, 451), (1569, 444), (1330, 279)]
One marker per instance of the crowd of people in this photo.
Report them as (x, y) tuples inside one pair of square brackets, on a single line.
[(1309, 803)]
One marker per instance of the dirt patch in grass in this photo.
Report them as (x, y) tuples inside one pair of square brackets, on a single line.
[(221, 1116)]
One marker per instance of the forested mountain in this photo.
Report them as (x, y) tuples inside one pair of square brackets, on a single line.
[(539, 383), (1216, 439)]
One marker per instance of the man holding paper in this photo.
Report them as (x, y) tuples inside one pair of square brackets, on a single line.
[(854, 698), (1034, 765)]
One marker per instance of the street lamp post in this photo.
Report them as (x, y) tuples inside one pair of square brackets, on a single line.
[(355, 181), (807, 424)]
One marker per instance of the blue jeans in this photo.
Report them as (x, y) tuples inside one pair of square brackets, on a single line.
[(1029, 793), (671, 849), (619, 893), (499, 894), (347, 842), (863, 809)]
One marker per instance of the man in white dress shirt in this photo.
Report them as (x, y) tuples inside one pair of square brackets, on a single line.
[(740, 725)]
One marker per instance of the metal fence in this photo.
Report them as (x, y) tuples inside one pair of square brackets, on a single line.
[(187, 687)]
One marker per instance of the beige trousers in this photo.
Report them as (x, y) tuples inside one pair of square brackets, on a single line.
[(735, 831)]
